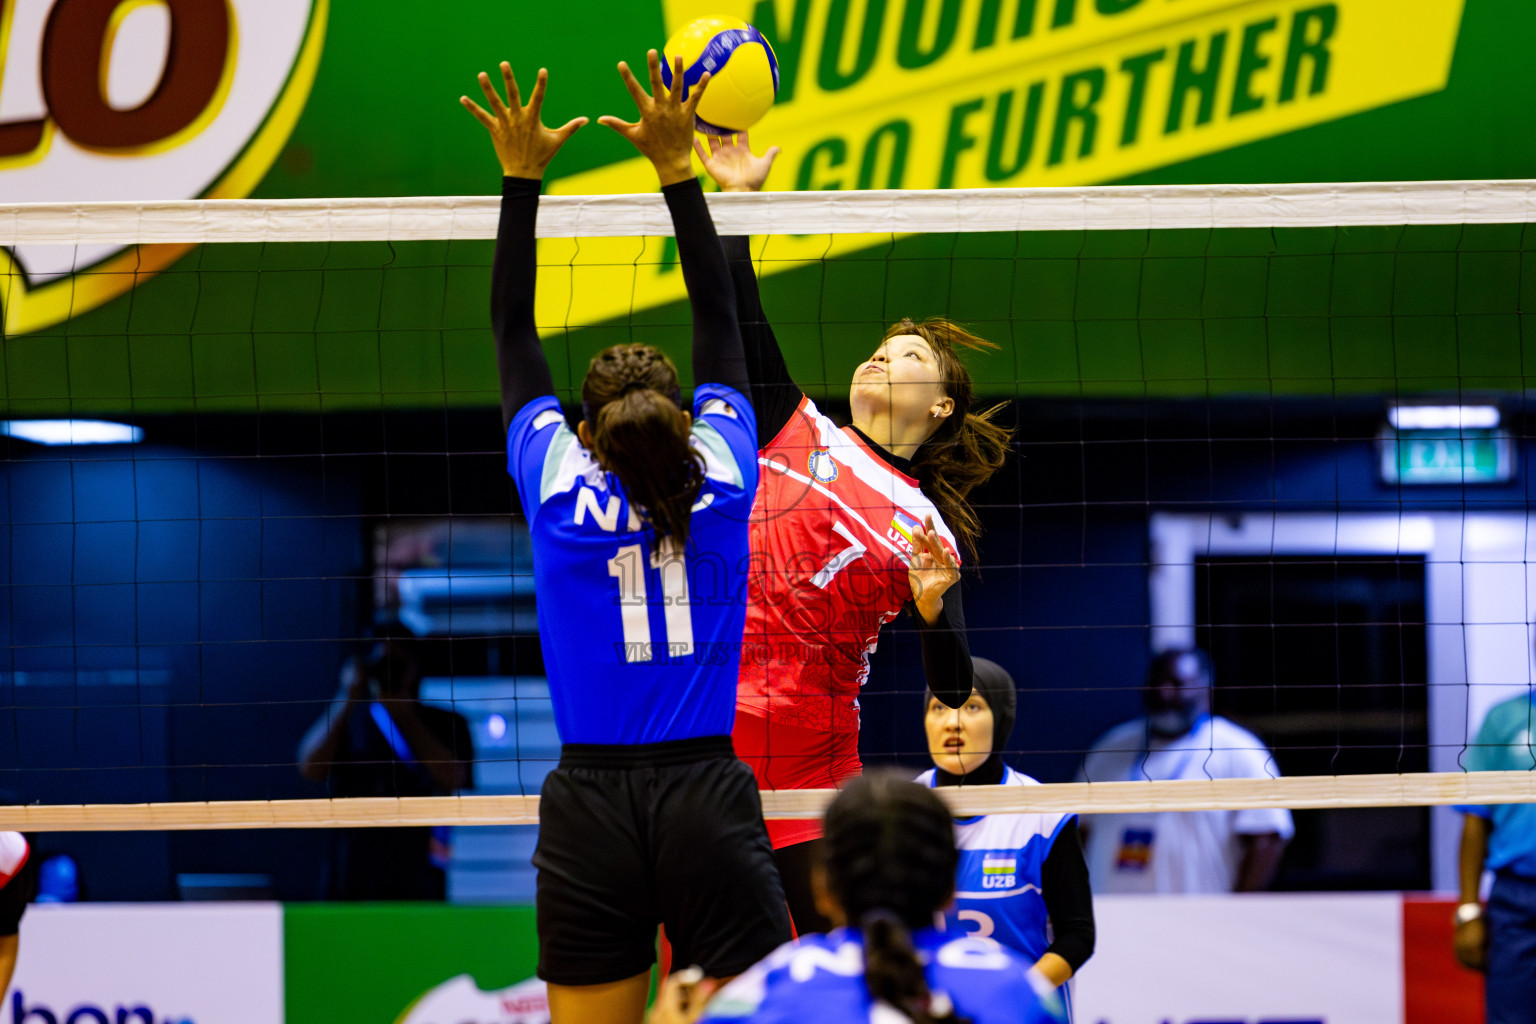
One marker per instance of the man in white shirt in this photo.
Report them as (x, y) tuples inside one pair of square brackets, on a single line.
[(1182, 852)]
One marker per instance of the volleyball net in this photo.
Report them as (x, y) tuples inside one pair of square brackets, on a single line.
[(1284, 424)]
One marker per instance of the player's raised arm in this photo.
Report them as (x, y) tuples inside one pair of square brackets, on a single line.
[(735, 168), (664, 135), (939, 612), (524, 147)]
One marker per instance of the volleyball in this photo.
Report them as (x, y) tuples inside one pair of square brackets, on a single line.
[(744, 73)]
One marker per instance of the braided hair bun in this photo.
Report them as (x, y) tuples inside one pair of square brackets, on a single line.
[(632, 405), (891, 860)]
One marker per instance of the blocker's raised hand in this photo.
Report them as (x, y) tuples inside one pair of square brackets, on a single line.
[(664, 133), (730, 161), (523, 145)]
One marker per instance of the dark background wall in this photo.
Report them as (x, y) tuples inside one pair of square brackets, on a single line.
[(1062, 600), (170, 611)]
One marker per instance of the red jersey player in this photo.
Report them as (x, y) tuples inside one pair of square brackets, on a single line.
[(18, 884), (852, 524)]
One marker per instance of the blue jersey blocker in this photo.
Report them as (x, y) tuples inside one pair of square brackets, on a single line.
[(640, 646)]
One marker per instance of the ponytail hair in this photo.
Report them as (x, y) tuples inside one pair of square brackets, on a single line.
[(632, 406), (890, 861), (969, 446)]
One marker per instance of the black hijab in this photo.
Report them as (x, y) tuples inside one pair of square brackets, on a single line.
[(993, 683)]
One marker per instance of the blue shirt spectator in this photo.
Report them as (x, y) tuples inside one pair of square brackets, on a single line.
[(1501, 938)]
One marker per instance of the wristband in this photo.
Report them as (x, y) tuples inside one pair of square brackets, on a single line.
[(1468, 912)]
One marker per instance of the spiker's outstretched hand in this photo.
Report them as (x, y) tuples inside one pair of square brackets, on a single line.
[(931, 571), (730, 161), (523, 145), (664, 133)]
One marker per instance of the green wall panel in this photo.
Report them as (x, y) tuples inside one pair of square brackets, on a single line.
[(360, 963)]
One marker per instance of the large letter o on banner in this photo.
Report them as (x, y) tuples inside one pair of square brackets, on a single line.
[(73, 56)]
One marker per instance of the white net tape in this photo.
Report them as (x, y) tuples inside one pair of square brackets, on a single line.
[(450, 218), (1296, 793)]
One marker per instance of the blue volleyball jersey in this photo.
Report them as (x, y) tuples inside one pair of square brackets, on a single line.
[(998, 884), (1504, 743), (640, 645), (821, 978)]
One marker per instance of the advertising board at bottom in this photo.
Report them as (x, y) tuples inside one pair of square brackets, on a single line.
[(460, 999), (1261, 959), (1297, 959), (153, 963)]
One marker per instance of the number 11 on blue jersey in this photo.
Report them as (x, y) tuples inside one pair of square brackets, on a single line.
[(628, 567)]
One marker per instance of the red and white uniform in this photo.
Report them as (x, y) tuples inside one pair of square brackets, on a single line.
[(13, 856), (830, 541)]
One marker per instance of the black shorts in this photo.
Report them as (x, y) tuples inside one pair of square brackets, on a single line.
[(661, 833)]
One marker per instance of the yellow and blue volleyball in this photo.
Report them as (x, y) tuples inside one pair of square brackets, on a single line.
[(744, 73)]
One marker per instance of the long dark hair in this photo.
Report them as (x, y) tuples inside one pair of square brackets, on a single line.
[(969, 446), (631, 403), (890, 849)]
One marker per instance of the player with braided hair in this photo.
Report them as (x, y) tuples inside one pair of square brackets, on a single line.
[(630, 401), (889, 868), (638, 518)]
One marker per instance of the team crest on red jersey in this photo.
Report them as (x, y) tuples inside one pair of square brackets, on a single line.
[(822, 466)]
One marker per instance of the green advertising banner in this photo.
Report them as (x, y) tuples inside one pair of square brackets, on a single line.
[(409, 963), (298, 98)]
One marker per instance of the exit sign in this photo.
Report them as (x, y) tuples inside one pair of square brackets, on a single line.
[(1446, 457)]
